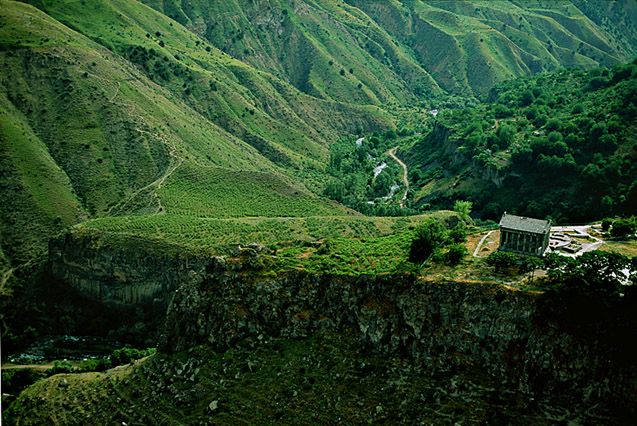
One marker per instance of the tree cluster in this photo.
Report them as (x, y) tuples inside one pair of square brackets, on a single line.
[(435, 240)]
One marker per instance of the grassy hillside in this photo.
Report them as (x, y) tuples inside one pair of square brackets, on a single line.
[(389, 52), (618, 18), (559, 144), (121, 103), (470, 46), (324, 48), (340, 244), (100, 116), (286, 126)]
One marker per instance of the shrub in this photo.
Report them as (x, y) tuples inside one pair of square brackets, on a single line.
[(463, 207), (101, 364), (429, 236), (606, 224), (455, 254), (624, 228), (458, 234), (501, 260), (128, 355), (60, 367)]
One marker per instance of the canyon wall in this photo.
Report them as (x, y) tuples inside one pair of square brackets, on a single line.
[(441, 325), (444, 326), (125, 274)]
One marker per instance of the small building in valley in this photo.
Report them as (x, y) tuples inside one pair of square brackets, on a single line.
[(524, 235)]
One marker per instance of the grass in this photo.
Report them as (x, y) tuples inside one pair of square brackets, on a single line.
[(481, 43), (222, 193), (339, 245), (113, 96), (627, 248), (92, 130), (343, 245)]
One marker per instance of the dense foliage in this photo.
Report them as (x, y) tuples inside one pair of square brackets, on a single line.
[(595, 296), (440, 241), (623, 228), (559, 145), (364, 177)]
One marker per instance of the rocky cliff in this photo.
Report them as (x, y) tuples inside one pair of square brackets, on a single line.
[(128, 274), (443, 326)]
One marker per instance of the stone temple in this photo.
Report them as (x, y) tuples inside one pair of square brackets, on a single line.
[(524, 235)]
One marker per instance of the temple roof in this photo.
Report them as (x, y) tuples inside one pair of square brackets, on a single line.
[(525, 224)]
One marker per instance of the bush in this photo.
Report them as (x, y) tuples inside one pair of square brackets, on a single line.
[(455, 254), (101, 364), (60, 367), (128, 355), (593, 273), (606, 224), (463, 207), (459, 233), (501, 260), (429, 236), (624, 228)]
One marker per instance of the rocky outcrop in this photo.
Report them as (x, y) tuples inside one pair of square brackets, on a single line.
[(444, 326), (127, 274)]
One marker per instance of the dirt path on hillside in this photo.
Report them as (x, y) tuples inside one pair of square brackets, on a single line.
[(479, 246), (392, 154), (29, 366), (175, 163)]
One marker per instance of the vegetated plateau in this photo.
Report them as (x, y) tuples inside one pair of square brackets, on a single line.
[(294, 202)]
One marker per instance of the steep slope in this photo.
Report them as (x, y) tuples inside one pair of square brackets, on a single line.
[(284, 125), (618, 18), (398, 51), (86, 132), (470, 46), (325, 48), (559, 144), (298, 348)]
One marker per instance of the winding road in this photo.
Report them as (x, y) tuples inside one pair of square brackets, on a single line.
[(392, 154)]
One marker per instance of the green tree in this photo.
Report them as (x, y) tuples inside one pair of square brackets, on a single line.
[(501, 260), (430, 235), (624, 228), (606, 224), (463, 207), (458, 234), (455, 253), (529, 264), (505, 135)]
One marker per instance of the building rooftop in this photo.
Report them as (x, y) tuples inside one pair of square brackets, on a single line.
[(525, 224)]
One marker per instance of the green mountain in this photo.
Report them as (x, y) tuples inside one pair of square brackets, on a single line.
[(558, 144), (113, 122), (120, 107), (167, 151), (398, 51), (470, 46)]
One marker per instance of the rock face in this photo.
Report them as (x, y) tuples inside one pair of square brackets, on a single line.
[(444, 326), (121, 275)]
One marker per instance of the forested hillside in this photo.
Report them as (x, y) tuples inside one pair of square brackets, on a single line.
[(559, 144)]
